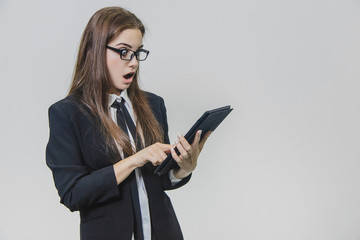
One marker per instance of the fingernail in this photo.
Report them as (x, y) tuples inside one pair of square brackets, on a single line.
[(176, 141), (200, 131), (179, 135)]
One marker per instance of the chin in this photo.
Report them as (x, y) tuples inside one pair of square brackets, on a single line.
[(123, 87)]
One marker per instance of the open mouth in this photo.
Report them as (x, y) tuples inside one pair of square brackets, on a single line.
[(129, 75)]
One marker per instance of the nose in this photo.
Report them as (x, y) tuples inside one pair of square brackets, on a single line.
[(133, 63)]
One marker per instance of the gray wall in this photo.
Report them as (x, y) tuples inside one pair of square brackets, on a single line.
[(284, 165)]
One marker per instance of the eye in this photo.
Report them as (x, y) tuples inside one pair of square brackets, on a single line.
[(123, 52)]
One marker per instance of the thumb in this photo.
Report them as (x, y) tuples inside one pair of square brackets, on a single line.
[(196, 139)]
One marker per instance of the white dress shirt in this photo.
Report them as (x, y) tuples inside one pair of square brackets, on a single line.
[(143, 198)]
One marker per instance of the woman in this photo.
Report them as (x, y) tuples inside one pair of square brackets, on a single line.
[(107, 137)]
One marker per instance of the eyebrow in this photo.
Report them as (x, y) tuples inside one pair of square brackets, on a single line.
[(129, 46)]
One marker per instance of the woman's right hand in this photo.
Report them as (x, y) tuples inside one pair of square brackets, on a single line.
[(155, 153)]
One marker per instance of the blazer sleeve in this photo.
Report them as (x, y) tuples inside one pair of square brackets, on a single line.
[(167, 185), (78, 185)]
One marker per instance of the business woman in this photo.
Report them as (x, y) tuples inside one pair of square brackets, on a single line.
[(107, 137)]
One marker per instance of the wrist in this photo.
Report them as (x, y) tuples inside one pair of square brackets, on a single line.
[(127, 163), (181, 173), (136, 161)]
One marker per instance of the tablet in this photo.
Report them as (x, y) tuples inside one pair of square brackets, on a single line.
[(209, 121)]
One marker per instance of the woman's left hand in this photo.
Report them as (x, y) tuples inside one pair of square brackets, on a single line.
[(187, 159)]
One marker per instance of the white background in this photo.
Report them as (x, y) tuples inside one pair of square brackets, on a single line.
[(285, 164)]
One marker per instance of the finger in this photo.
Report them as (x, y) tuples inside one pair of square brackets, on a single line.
[(183, 152), (184, 143), (163, 156), (203, 140), (196, 139), (156, 161), (167, 151), (159, 157), (175, 156), (164, 147)]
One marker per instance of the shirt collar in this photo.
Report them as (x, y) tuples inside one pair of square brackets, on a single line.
[(123, 94)]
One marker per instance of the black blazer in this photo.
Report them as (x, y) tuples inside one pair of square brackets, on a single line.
[(84, 177)]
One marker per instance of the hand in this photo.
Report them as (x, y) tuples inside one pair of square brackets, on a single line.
[(187, 160), (155, 153)]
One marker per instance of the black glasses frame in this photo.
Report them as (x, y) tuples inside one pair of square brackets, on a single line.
[(135, 53)]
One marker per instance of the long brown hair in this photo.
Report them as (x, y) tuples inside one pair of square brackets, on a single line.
[(91, 82)]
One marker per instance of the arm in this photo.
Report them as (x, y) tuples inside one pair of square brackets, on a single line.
[(166, 178), (78, 185), (155, 153)]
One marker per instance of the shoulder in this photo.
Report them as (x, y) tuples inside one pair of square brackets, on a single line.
[(157, 106), (156, 102), (67, 108), (153, 98), (67, 103)]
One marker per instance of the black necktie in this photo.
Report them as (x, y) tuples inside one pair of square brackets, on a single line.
[(125, 122)]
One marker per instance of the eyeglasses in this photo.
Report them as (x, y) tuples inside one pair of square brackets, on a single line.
[(128, 54)]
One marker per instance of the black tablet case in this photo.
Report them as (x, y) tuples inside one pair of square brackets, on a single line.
[(209, 121)]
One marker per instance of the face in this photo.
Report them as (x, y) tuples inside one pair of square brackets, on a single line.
[(122, 72)]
